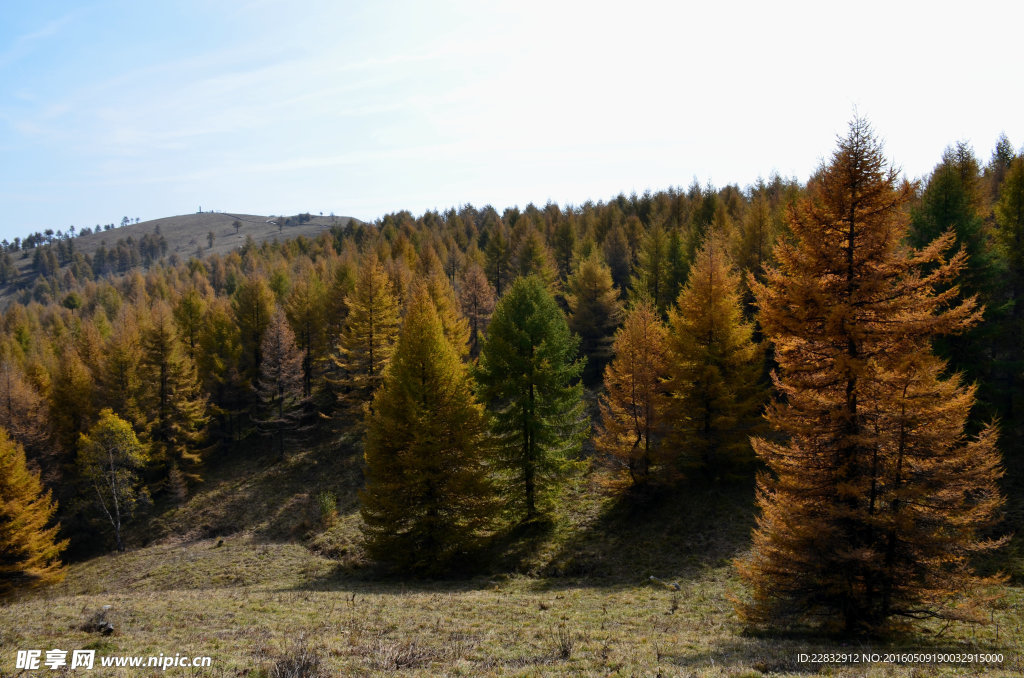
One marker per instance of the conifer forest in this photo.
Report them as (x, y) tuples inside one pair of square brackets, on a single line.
[(787, 415)]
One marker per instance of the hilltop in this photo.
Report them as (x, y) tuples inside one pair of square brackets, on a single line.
[(186, 235)]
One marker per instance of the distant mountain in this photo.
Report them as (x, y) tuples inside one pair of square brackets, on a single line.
[(186, 234)]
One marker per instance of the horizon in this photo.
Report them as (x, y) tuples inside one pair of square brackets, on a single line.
[(113, 109)]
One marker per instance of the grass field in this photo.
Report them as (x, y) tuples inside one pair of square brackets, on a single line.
[(247, 574)]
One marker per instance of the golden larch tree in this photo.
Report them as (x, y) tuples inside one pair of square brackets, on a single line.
[(367, 341), (29, 550), (874, 501), (634, 407), (715, 368), (428, 498)]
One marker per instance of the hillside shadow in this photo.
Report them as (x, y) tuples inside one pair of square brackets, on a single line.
[(250, 489), (667, 532)]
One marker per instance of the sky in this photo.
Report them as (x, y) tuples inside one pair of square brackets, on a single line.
[(152, 109)]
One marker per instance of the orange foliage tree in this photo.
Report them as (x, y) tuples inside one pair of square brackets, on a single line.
[(633, 409), (875, 501)]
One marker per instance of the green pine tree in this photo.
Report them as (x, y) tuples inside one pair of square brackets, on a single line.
[(529, 374)]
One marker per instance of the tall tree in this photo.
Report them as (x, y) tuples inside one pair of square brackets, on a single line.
[(1010, 236), (652, 277), (367, 341), (634, 407), (188, 313), (594, 312), (219, 361), (172, 398), (111, 459), (253, 304), (307, 311), (29, 550), (616, 252), (875, 503), (499, 259), (22, 409), (428, 497), (280, 384), (715, 368), (528, 372), (476, 297)]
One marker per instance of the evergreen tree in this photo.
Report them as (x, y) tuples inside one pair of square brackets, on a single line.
[(110, 460), (715, 368), (1010, 236), (528, 372), (476, 297), (875, 503), (29, 550), (280, 384), (428, 498), (594, 312), (634, 407), (367, 341)]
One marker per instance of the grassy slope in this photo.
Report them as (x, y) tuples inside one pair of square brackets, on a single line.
[(245, 573)]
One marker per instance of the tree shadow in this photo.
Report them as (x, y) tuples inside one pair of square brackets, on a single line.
[(669, 532)]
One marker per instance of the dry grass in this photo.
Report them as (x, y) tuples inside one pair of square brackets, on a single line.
[(248, 573)]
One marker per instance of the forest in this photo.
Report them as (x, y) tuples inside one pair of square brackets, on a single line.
[(846, 351)]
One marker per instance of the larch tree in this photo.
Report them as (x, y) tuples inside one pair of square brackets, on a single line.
[(120, 380), (534, 258), (280, 383), (367, 341), (111, 460), (594, 312), (29, 549), (635, 403), (253, 304), (619, 258), (498, 259), (715, 369), (529, 376), (651, 279), (188, 314), (172, 398), (874, 502), (454, 324), (219, 360), (428, 499), (306, 308), (476, 297), (22, 409)]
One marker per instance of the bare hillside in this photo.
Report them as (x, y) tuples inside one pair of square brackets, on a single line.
[(187, 233)]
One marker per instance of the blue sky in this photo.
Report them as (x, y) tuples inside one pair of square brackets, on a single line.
[(149, 109)]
